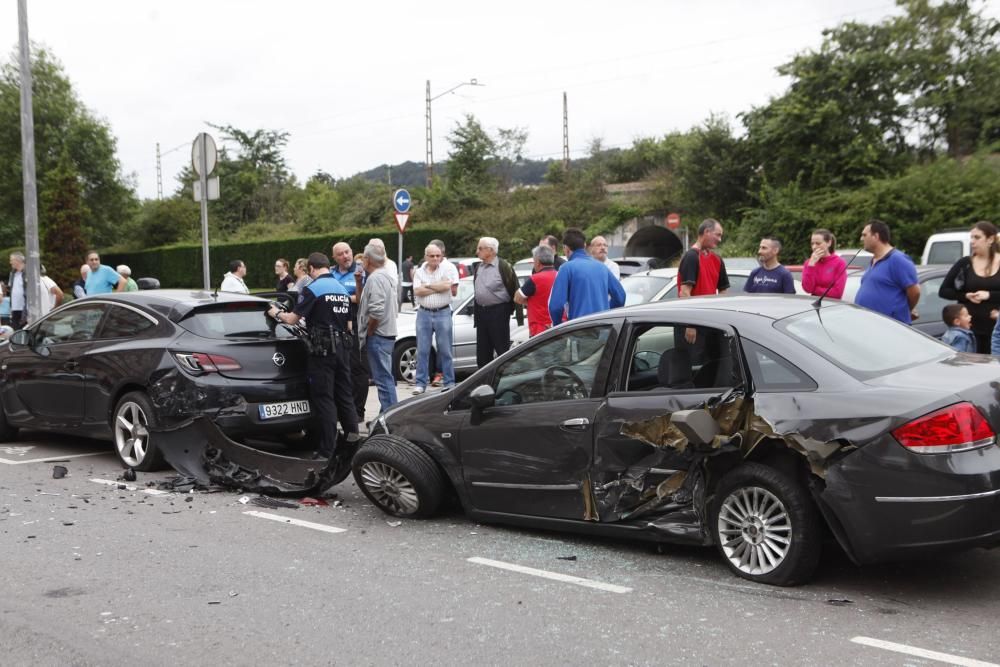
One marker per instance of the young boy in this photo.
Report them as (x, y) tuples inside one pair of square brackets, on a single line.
[(959, 333)]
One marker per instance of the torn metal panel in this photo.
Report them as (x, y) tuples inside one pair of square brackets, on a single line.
[(198, 449), (177, 397)]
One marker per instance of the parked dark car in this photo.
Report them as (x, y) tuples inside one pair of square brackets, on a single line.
[(781, 424), (111, 366)]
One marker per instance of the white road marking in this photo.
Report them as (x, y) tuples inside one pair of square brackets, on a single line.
[(922, 653), (297, 522), (555, 576), (131, 487), (54, 457)]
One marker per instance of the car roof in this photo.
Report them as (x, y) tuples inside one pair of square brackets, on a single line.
[(174, 304), (771, 306), (959, 235)]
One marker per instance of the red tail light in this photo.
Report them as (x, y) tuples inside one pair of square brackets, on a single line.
[(199, 362), (955, 428)]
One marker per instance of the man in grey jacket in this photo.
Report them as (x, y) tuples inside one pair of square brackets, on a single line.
[(377, 322)]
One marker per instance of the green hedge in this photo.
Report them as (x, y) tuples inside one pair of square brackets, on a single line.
[(180, 265)]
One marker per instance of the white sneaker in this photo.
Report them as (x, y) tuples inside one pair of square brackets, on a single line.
[(419, 390)]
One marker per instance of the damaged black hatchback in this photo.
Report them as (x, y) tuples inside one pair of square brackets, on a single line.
[(118, 365), (757, 424)]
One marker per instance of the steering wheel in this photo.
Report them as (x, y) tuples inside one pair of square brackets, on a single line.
[(553, 390), (645, 360)]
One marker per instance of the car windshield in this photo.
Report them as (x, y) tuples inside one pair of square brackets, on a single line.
[(465, 288), (235, 320), (863, 343), (642, 289)]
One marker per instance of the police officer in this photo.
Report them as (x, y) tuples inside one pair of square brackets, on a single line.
[(325, 306)]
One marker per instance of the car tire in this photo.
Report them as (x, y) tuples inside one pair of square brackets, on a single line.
[(766, 526), (404, 361), (7, 432), (398, 477), (130, 432)]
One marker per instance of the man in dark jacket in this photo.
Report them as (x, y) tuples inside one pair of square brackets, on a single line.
[(495, 283)]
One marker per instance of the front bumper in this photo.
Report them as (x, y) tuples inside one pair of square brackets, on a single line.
[(892, 504)]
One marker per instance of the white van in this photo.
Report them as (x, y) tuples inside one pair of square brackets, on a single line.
[(946, 247)]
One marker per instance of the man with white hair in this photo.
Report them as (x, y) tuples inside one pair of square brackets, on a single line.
[(390, 266), (377, 322), (125, 272), (433, 287), (494, 283), (80, 286)]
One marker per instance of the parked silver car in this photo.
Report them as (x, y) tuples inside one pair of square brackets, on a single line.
[(404, 354)]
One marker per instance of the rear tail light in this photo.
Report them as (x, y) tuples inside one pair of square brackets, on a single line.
[(956, 428), (200, 363)]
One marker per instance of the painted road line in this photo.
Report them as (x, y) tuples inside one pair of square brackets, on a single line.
[(297, 522), (555, 576), (131, 487), (922, 653), (54, 457)]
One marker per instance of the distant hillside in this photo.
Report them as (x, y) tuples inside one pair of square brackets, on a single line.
[(526, 172)]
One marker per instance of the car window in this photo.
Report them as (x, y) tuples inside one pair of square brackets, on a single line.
[(863, 343), (736, 283), (124, 323), (930, 305), (562, 368), (235, 320), (465, 289), (70, 325), (945, 252), (771, 372), (642, 289), (660, 357)]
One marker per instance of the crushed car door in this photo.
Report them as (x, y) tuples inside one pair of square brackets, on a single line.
[(531, 451), (640, 467)]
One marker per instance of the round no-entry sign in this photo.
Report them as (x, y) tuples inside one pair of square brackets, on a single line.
[(673, 220)]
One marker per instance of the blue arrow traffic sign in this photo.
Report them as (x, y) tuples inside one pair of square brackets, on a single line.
[(401, 200)]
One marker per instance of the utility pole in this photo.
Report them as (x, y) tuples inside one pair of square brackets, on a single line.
[(429, 159), (33, 293), (565, 133), (159, 173)]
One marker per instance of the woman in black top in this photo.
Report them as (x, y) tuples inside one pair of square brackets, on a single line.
[(975, 282), (285, 280)]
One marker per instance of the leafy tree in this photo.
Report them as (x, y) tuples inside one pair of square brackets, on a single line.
[(63, 125), (167, 221), (472, 151), (508, 147), (61, 216)]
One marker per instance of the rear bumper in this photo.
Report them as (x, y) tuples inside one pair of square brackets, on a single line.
[(892, 504)]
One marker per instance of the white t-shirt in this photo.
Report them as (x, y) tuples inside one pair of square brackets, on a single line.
[(48, 298), (613, 268)]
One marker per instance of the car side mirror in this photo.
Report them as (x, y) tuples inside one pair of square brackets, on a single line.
[(698, 426), (21, 338), (480, 398)]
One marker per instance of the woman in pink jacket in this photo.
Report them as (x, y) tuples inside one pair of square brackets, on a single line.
[(824, 270)]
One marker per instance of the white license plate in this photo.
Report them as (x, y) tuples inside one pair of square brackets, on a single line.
[(272, 410)]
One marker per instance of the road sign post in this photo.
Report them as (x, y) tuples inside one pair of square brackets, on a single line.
[(204, 157), (401, 202)]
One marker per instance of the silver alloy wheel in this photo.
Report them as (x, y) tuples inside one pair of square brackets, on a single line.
[(131, 433), (408, 364), (755, 530), (390, 488)]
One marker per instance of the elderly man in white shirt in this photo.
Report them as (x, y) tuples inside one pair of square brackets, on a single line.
[(599, 250), (434, 284)]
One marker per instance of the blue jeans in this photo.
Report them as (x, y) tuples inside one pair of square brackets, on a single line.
[(380, 362), (438, 324)]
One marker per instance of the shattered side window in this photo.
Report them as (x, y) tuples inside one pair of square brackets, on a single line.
[(561, 368), (661, 357), (771, 372)]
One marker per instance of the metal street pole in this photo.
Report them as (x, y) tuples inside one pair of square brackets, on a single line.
[(206, 273), (429, 140), (33, 293)]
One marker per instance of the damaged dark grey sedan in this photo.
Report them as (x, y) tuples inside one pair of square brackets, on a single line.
[(781, 424), (119, 366)]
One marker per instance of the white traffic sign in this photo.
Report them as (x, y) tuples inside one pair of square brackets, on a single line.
[(401, 219), (401, 201), (213, 189), (211, 154)]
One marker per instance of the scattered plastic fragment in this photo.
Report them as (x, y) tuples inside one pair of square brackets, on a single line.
[(122, 487), (314, 502), (188, 499), (272, 503), (245, 499), (566, 557), (58, 472), (394, 524), (233, 594), (67, 523), (214, 602), (839, 602), (129, 475)]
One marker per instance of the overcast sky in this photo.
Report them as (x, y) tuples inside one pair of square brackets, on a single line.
[(347, 80)]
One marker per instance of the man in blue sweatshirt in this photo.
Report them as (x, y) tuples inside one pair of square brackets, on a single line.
[(584, 285)]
